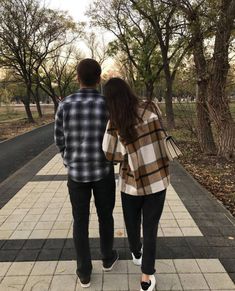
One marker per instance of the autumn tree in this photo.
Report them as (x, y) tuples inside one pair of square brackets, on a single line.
[(169, 30), (97, 46), (28, 32), (57, 74), (133, 39), (213, 20)]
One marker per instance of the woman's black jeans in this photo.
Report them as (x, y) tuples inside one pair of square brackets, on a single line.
[(150, 207), (104, 196)]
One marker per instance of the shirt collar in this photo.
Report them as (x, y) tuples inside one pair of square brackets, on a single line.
[(88, 90)]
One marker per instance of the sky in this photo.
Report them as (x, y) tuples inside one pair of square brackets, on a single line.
[(76, 8)]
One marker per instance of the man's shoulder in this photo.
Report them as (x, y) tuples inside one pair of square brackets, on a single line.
[(80, 96), (70, 98)]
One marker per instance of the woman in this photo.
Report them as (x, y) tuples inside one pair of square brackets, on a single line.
[(134, 138)]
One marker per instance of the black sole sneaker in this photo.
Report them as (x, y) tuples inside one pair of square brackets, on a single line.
[(85, 282), (108, 266)]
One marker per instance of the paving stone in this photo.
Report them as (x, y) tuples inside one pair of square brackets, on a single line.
[(229, 264), (39, 234), (13, 245), (63, 283), (21, 234), (26, 225), (44, 268), (5, 234), (134, 281), (168, 282), (132, 268), (44, 225), (69, 244), (38, 283), (8, 255), (218, 241), (58, 233), (219, 281), (210, 266), (70, 254), (115, 282), (186, 266), (20, 269), (10, 283), (54, 244), (228, 230), (4, 268), (34, 244), (232, 277), (193, 282), (191, 231), (165, 266), (97, 267), (27, 255), (48, 254), (67, 268), (210, 230), (9, 226), (172, 231)]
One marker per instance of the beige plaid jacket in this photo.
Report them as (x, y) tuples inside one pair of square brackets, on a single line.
[(144, 165)]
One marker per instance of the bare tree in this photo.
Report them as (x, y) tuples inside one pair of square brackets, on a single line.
[(133, 38), (97, 46), (57, 74), (28, 33), (213, 103), (169, 30)]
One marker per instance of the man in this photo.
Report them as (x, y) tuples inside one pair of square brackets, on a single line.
[(79, 128)]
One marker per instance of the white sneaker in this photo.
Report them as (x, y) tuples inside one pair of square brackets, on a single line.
[(85, 283), (148, 286), (137, 262)]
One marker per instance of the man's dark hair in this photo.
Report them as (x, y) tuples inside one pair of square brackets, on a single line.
[(89, 72)]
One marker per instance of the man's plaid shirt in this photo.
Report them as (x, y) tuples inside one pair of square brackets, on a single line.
[(79, 129)]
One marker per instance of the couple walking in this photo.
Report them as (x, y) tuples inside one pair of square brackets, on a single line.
[(92, 133)]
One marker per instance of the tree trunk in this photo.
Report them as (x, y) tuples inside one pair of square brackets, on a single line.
[(220, 114), (204, 131), (56, 104), (168, 101), (26, 102), (37, 101), (205, 135), (149, 90), (28, 111), (218, 102)]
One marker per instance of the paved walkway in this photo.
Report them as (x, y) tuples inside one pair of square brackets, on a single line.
[(195, 249)]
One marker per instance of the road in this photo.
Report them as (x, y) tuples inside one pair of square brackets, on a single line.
[(16, 152)]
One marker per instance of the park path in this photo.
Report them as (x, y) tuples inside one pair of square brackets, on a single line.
[(195, 249)]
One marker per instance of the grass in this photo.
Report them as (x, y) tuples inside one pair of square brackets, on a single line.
[(189, 109), (5, 116), (11, 113)]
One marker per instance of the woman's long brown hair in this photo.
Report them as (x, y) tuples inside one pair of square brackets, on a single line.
[(123, 107)]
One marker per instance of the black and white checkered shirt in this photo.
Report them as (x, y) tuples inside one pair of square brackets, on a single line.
[(79, 129)]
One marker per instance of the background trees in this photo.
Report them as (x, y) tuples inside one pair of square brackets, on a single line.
[(29, 33), (212, 21), (157, 37), (164, 48)]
